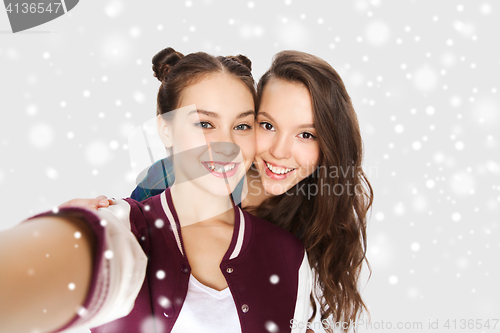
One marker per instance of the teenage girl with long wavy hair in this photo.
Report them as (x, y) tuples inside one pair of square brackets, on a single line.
[(328, 208)]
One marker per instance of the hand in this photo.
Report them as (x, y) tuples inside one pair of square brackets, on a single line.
[(99, 202)]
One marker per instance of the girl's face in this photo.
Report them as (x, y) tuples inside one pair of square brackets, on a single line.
[(212, 134), (287, 149)]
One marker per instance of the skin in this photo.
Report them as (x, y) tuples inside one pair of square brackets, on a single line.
[(36, 249), (99, 202)]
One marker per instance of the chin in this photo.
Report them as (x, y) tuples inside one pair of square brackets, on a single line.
[(217, 186), (219, 191)]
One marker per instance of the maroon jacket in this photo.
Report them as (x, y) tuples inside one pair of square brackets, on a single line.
[(258, 250)]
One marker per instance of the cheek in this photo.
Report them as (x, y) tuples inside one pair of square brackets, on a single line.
[(307, 157), (247, 147), (191, 137), (263, 142)]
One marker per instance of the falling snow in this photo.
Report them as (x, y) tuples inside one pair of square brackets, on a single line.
[(113, 8), (271, 327), (393, 279), (97, 153), (159, 223), (422, 78), (151, 324), (425, 78), (51, 173), (164, 301), (160, 274), (108, 254), (377, 33), (41, 135)]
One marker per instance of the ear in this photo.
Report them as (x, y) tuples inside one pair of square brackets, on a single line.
[(164, 131)]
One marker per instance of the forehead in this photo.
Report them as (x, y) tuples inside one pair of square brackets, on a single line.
[(287, 100), (218, 92)]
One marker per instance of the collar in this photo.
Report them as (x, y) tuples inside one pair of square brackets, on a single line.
[(241, 232)]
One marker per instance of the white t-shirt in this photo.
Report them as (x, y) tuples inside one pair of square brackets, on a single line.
[(207, 310)]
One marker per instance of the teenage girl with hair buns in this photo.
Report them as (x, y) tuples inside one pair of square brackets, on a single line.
[(186, 260)]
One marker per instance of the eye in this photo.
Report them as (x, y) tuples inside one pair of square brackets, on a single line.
[(267, 126), (307, 136), (243, 127), (203, 124)]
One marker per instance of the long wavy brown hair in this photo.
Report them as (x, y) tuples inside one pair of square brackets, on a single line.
[(331, 224)]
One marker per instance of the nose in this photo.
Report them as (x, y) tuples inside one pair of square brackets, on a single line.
[(224, 144), (280, 148), (225, 148)]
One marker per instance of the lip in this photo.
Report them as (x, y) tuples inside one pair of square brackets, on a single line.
[(227, 174), (274, 176)]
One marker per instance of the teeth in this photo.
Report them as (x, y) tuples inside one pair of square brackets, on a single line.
[(278, 171), (220, 168)]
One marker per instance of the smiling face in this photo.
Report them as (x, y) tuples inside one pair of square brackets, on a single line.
[(212, 133), (287, 149)]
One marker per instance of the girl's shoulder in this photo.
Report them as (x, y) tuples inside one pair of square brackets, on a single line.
[(266, 232)]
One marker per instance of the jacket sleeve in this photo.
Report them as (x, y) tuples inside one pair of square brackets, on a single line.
[(125, 260), (303, 304), (119, 264)]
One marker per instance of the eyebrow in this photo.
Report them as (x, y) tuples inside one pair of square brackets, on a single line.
[(246, 114), (206, 113), (267, 115), (216, 115)]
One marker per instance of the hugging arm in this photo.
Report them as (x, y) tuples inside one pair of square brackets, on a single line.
[(98, 202)]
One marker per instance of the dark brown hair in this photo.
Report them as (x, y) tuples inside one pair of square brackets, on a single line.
[(331, 226), (176, 72)]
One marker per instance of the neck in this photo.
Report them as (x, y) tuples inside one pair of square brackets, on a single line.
[(194, 205), (256, 193)]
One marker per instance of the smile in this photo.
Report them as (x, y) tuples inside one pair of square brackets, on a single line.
[(277, 172), (221, 169)]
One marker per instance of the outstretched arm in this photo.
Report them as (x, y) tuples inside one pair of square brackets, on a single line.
[(45, 273)]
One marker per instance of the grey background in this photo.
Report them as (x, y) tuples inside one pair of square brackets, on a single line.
[(423, 76)]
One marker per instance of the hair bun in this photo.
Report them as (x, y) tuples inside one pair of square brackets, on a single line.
[(163, 61), (242, 60)]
